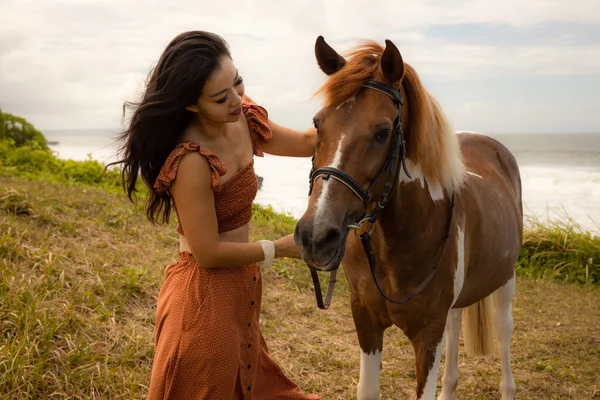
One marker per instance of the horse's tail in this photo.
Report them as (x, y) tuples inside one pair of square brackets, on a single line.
[(477, 327)]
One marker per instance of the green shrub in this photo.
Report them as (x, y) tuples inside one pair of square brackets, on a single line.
[(20, 132), (35, 163), (560, 250)]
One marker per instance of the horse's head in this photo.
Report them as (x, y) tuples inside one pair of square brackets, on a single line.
[(359, 146)]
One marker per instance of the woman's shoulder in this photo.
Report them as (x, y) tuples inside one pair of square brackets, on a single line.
[(169, 170)]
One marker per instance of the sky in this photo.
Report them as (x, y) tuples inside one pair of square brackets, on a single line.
[(495, 66)]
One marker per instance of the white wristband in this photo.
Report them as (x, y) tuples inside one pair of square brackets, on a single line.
[(268, 248)]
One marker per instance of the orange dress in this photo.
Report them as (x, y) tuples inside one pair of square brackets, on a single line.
[(208, 339)]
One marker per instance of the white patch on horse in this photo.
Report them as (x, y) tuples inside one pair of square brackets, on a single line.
[(349, 102), (504, 325), (436, 192), (432, 374), (368, 380), (335, 163), (474, 174), (450, 377), (459, 273), (453, 323), (415, 172)]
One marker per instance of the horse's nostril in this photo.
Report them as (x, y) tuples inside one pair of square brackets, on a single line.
[(330, 238), (302, 237), (316, 239), (306, 238)]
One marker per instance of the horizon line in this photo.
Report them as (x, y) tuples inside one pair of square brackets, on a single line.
[(456, 130)]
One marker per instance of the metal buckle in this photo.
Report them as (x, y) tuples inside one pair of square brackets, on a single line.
[(356, 227)]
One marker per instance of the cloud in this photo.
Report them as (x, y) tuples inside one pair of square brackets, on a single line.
[(548, 33), (72, 63)]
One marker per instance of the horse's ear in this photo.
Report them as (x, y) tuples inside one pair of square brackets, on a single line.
[(328, 59), (392, 65)]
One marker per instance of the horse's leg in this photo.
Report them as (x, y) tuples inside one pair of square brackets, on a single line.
[(370, 339), (503, 321), (450, 377), (428, 345)]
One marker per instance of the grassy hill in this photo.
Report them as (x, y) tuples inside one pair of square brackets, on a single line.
[(80, 269)]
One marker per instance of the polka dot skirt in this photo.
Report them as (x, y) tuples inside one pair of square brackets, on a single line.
[(208, 339)]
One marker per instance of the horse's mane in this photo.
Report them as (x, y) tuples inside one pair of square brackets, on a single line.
[(432, 146)]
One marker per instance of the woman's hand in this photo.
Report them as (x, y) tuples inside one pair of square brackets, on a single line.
[(291, 143), (286, 247)]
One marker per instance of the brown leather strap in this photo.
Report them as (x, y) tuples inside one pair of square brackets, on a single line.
[(365, 239), (317, 284)]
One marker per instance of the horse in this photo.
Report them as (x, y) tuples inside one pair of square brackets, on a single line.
[(437, 219)]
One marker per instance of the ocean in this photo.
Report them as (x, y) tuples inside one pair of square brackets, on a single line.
[(560, 172)]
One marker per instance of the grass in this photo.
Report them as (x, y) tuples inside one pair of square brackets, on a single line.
[(35, 163), (78, 291), (560, 250)]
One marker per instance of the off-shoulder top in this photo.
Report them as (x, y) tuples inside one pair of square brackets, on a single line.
[(233, 199)]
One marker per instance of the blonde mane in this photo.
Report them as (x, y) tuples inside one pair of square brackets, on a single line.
[(433, 152)]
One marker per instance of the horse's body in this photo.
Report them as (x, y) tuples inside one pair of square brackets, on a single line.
[(459, 211)]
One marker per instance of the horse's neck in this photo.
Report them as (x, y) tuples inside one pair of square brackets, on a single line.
[(413, 225)]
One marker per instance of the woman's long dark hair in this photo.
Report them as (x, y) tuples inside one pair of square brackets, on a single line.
[(159, 119)]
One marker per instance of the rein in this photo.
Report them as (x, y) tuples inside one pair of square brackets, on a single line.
[(395, 160)]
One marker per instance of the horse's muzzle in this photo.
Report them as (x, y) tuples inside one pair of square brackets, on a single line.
[(321, 245)]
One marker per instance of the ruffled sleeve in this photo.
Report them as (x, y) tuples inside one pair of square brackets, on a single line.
[(168, 171), (258, 119)]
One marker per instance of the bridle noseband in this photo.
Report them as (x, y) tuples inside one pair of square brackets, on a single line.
[(395, 160)]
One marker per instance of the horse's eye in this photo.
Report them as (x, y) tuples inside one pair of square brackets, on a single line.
[(315, 124), (382, 134)]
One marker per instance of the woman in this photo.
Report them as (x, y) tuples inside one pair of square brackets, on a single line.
[(192, 138)]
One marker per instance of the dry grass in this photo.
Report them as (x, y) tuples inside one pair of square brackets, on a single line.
[(78, 287), (556, 347)]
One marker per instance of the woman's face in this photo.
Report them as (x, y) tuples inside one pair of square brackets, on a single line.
[(221, 99)]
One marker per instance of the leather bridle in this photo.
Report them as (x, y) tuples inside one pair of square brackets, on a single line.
[(395, 160)]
